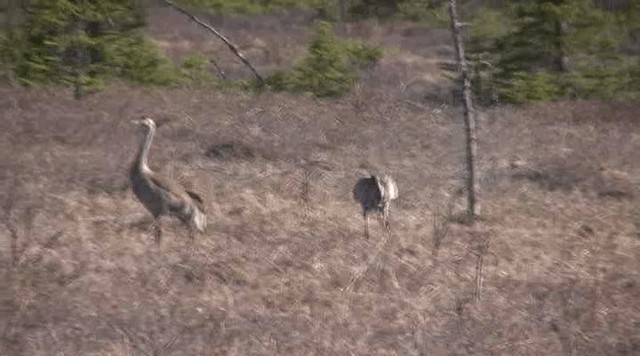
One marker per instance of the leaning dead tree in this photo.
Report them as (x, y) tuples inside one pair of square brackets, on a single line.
[(472, 186), (231, 46)]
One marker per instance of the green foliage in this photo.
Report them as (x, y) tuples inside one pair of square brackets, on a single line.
[(11, 52), (550, 49), (432, 11), (82, 43), (252, 6), (324, 71), (194, 70), (361, 54), (137, 60), (373, 8), (488, 25), (634, 82), (330, 67), (525, 86), (278, 80)]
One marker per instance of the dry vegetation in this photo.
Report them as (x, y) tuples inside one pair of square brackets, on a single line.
[(552, 268)]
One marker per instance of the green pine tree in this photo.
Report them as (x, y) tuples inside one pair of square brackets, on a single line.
[(81, 42), (554, 49), (324, 70)]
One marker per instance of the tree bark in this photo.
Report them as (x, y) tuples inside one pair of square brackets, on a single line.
[(342, 10), (231, 46), (473, 206), (78, 61), (562, 30)]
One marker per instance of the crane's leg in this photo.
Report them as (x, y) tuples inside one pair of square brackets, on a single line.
[(192, 239), (157, 231), (385, 216), (366, 225)]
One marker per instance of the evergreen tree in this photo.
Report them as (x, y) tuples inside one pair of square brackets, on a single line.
[(323, 71), (558, 48), (331, 66), (81, 42)]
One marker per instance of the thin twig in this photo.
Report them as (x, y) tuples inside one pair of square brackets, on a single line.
[(231, 46), (219, 71)]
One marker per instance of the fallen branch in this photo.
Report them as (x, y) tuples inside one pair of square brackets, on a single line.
[(231, 46)]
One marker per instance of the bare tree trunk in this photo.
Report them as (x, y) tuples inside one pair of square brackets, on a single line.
[(231, 46), (342, 10), (562, 29), (11, 13), (78, 61), (473, 207)]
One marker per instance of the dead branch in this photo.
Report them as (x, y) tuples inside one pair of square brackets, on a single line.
[(219, 71), (231, 46)]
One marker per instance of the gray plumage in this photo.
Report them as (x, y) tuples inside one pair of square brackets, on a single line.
[(375, 193), (161, 195)]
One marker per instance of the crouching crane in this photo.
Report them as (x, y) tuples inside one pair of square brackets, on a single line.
[(161, 195), (375, 193)]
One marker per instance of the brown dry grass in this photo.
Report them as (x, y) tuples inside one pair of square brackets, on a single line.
[(557, 248)]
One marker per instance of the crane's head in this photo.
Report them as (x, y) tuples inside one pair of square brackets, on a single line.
[(145, 121)]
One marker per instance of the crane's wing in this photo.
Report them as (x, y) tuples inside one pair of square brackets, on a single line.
[(392, 188), (381, 188), (388, 188), (198, 199), (195, 196), (172, 192)]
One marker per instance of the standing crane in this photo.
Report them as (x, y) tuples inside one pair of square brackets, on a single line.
[(375, 193), (161, 195)]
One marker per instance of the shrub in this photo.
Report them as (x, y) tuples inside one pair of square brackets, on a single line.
[(525, 86), (137, 60), (324, 71), (83, 44), (550, 50), (11, 53), (361, 54), (194, 70), (278, 80), (432, 11), (252, 6), (330, 67)]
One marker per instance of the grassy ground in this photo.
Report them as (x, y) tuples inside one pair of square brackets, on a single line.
[(552, 268)]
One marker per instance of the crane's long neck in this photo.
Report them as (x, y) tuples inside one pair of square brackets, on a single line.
[(143, 153)]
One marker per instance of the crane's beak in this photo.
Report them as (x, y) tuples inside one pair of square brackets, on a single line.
[(136, 122)]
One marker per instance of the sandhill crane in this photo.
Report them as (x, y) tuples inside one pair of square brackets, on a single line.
[(375, 193), (161, 195)]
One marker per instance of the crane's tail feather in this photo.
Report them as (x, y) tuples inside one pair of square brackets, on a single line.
[(199, 220)]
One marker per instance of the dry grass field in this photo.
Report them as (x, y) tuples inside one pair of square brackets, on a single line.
[(552, 268)]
